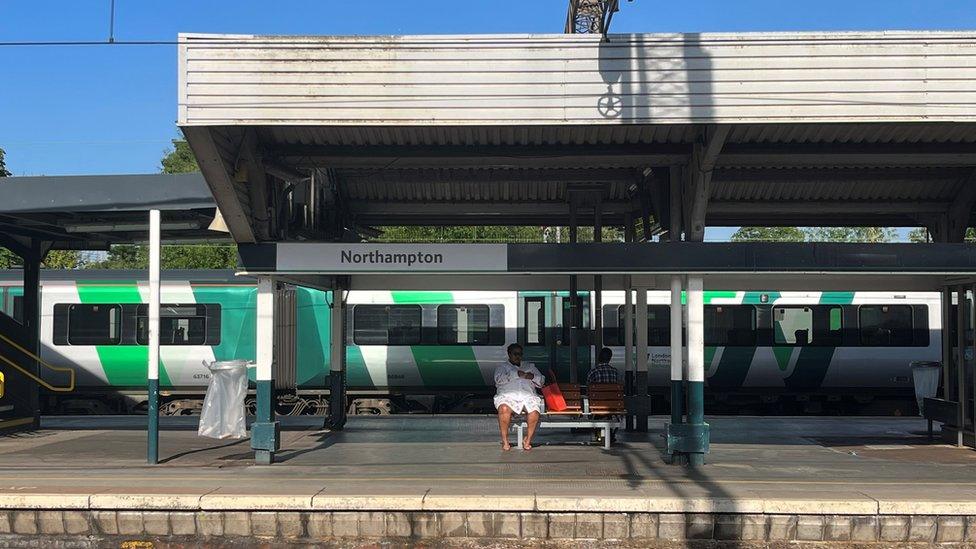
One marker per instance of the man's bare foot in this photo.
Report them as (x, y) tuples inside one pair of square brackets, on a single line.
[(526, 445), (506, 446)]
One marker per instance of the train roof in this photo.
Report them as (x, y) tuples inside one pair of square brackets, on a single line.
[(129, 275)]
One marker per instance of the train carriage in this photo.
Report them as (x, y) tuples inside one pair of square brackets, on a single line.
[(437, 350)]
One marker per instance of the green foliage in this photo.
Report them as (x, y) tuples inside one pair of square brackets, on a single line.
[(850, 234), (920, 234), (8, 259), (769, 234), (814, 234), (467, 235), (180, 159), (221, 256), (3, 165), (62, 259)]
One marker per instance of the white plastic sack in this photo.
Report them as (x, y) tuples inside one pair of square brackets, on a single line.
[(925, 377), (222, 415)]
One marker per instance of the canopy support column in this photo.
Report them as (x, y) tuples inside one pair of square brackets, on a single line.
[(597, 286), (152, 451), (961, 317), (691, 439), (640, 380), (972, 347), (947, 392), (574, 302), (337, 363), (265, 435), (629, 349), (677, 362)]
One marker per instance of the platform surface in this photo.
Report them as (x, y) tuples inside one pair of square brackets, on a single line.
[(757, 465)]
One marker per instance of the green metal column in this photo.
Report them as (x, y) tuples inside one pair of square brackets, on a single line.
[(691, 438), (265, 435)]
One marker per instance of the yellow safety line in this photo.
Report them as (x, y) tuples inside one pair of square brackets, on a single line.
[(69, 371), (7, 423)]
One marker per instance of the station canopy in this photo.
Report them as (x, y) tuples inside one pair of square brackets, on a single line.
[(90, 212), (335, 136)]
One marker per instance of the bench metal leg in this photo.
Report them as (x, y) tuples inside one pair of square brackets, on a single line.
[(521, 428), (930, 430), (606, 438)]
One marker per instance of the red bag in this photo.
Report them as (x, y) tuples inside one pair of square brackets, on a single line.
[(553, 396)]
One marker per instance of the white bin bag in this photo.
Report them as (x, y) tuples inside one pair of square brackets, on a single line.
[(222, 415), (925, 377)]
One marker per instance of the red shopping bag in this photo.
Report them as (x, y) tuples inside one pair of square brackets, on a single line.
[(553, 396)]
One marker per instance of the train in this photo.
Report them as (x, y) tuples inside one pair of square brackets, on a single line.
[(435, 351)]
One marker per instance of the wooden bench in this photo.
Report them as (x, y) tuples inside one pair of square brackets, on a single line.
[(600, 408)]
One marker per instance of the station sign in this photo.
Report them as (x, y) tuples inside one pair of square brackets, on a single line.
[(387, 258)]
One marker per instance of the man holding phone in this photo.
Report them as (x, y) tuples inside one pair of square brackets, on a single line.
[(517, 386)]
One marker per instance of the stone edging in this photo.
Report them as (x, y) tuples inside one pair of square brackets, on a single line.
[(325, 525)]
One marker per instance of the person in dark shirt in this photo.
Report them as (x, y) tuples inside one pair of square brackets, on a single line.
[(603, 372)]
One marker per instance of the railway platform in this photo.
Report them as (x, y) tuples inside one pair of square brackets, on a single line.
[(83, 481)]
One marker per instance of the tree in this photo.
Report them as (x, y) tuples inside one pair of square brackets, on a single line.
[(466, 234), (3, 165), (62, 259), (768, 234), (920, 234), (850, 234), (180, 159), (7, 258)]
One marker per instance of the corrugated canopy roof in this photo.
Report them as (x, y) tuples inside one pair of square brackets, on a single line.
[(331, 136)]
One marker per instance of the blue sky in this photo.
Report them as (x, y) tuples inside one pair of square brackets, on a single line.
[(112, 109)]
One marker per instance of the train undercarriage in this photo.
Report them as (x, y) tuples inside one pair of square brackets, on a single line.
[(373, 402)]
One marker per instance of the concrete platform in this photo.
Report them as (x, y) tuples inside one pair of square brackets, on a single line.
[(411, 477)]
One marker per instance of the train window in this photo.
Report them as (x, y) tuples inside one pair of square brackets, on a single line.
[(886, 325), (94, 324), (730, 325), (462, 325), (387, 324), (535, 321), (658, 325), (178, 324), (807, 325)]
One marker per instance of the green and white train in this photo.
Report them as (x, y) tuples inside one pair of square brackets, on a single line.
[(435, 351)]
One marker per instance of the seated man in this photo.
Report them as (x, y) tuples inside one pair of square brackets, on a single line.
[(603, 372), (517, 383)]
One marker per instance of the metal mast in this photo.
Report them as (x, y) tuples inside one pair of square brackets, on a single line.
[(590, 16)]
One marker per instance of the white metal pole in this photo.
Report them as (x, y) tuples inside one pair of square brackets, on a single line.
[(153, 337), (640, 380), (264, 431), (677, 354), (628, 328), (696, 369)]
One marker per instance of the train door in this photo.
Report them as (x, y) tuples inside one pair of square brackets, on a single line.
[(544, 326), (535, 333)]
